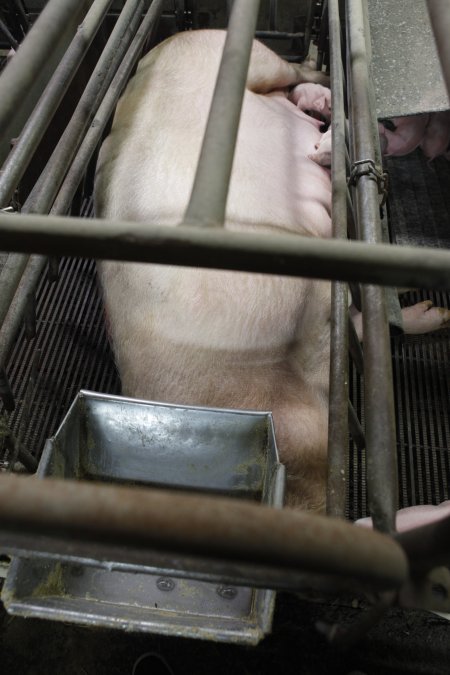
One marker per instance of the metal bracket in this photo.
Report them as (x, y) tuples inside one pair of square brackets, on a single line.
[(367, 167)]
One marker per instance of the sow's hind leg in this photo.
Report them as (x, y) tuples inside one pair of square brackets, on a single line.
[(268, 72)]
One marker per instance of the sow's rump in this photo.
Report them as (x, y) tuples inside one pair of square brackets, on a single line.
[(220, 338)]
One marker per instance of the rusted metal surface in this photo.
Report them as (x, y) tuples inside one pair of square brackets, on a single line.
[(338, 398), (67, 511)]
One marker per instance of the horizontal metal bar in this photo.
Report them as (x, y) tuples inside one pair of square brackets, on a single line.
[(208, 199), (144, 520), (286, 254), (278, 35), (439, 11), (26, 75), (39, 120)]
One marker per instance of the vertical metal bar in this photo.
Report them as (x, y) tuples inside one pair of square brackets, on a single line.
[(27, 74), (338, 415), (9, 37), (394, 313), (439, 11), (209, 193), (39, 120), (378, 390), (50, 180), (25, 294), (95, 131), (273, 14)]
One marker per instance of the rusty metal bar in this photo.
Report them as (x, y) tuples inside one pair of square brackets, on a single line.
[(142, 520), (27, 74), (286, 254), (338, 416), (39, 120), (439, 11), (208, 199), (379, 405)]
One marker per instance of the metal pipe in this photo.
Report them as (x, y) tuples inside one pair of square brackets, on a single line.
[(43, 193), (439, 12), (106, 108), (208, 199), (278, 35), (141, 520), (32, 274), (22, 298), (273, 14), (39, 120), (9, 37), (21, 11), (355, 347), (379, 405), (10, 277), (27, 74), (356, 430), (338, 397), (286, 254), (50, 180)]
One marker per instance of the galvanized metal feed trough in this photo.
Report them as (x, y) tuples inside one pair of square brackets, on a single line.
[(120, 440)]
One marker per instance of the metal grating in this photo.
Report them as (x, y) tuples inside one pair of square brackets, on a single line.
[(70, 352), (419, 214)]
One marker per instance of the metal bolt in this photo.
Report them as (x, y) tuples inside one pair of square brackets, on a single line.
[(227, 592), (165, 584)]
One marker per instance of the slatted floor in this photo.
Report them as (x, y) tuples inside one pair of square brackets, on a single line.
[(71, 351)]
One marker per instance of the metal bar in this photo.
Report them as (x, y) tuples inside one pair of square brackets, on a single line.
[(273, 13), (95, 131), (10, 277), (50, 180), (355, 347), (22, 298), (379, 406), (356, 430), (286, 254), (208, 199), (439, 11), (39, 120), (6, 393), (143, 520), (25, 293), (21, 11), (394, 313), (27, 74), (8, 35), (278, 35), (338, 397)]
